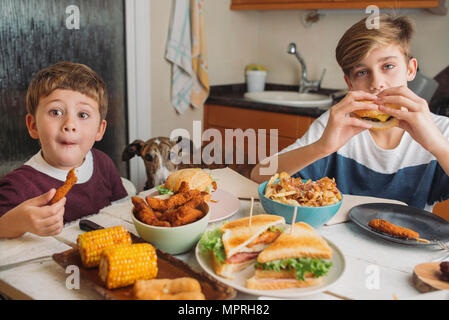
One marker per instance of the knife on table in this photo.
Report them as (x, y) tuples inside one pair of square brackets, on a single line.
[(87, 225)]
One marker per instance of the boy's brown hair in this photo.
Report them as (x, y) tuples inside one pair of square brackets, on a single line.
[(358, 41), (70, 76)]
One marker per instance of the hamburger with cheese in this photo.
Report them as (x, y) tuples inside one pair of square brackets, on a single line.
[(378, 119)]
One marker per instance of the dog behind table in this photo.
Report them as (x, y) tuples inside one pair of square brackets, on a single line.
[(159, 155)]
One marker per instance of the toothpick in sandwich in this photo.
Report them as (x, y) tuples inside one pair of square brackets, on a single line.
[(251, 211), (293, 221)]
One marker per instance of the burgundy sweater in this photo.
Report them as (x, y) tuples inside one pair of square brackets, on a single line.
[(103, 187)]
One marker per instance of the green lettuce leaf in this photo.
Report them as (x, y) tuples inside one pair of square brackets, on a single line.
[(211, 241), (301, 266), (163, 190), (277, 228)]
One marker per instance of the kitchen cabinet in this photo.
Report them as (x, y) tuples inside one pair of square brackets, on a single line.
[(328, 4), (289, 126)]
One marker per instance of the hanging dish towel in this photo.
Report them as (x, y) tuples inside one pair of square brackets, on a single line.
[(179, 53), (200, 85)]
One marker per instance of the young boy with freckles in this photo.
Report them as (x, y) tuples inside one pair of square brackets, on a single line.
[(408, 162), (67, 106)]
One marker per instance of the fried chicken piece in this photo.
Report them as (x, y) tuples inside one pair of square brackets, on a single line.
[(150, 218), (157, 204), (145, 214), (174, 201), (186, 215), (194, 202), (184, 187), (139, 203), (392, 229), (163, 204), (68, 184), (180, 199)]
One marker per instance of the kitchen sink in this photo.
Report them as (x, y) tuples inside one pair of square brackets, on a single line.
[(290, 98)]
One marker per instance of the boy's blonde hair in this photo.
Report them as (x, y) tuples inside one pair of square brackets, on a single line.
[(358, 41), (70, 76)]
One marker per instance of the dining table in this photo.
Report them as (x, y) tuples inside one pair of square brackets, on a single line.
[(374, 268)]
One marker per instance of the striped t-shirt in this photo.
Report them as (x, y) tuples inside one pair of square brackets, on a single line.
[(407, 173)]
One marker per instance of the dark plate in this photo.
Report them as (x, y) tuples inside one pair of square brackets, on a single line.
[(428, 225)]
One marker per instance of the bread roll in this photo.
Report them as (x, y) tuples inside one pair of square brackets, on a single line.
[(195, 177)]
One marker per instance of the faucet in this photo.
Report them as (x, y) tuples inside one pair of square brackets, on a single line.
[(305, 85)]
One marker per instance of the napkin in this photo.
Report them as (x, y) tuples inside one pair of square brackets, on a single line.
[(233, 182), (179, 54), (350, 201), (28, 246)]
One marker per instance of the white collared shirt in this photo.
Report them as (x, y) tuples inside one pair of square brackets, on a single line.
[(83, 172)]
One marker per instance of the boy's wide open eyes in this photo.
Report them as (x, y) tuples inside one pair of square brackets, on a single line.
[(361, 73), (59, 113), (56, 112), (389, 66), (83, 115)]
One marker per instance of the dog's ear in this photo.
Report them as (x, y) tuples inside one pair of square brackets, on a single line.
[(132, 149)]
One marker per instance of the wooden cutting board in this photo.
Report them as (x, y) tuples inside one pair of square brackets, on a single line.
[(427, 277), (169, 267)]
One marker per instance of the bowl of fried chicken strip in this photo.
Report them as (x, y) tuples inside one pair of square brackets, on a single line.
[(376, 118), (174, 223)]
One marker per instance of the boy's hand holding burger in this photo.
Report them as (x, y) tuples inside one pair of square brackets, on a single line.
[(340, 127), (414, 117)]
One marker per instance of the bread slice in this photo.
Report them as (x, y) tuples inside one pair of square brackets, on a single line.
[(226, 269), (304, 242), (283, 274), (237, 234), (257, 283), (196, 177)]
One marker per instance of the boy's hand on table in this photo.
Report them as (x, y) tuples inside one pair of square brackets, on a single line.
[(416, 120), (340, 126), (36, 216)]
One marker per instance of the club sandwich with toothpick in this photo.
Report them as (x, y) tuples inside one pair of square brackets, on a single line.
[(298, 258), (235, 245)]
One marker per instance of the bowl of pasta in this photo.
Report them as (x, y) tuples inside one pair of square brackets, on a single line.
[(316, 201)]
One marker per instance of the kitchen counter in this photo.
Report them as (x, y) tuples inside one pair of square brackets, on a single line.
[(232, 95)]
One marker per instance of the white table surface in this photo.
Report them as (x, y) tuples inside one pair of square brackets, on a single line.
[(365, 255)]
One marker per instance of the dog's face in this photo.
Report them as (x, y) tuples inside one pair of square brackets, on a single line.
[(157, 154), (161, 156)]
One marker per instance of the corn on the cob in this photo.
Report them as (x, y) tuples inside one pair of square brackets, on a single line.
[(91, 244), (122, 266)]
